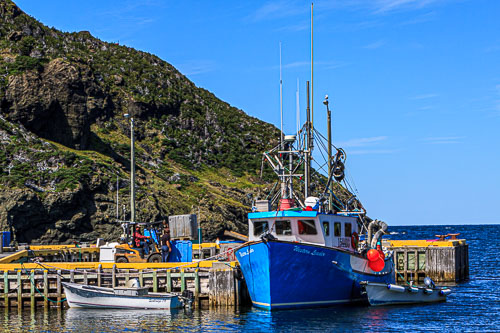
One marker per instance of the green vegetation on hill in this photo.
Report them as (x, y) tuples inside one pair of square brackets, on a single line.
[(64, 140)]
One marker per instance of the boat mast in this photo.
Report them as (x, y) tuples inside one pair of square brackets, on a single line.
[(312, 82), (329, 124), (282, 143), (281, 103), (307, 150), (297, 107)]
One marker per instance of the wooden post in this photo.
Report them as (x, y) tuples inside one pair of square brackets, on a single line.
[(236, 284), (32, 290), (99, 271), (59, 289), (197, 286), (6, 288), (85, 277), (141, 278), (45, 288), (113, 277), (72, 276), (183, 280), (169, 281), (19, 291), (127, 276), (212, 286), (155, 281)]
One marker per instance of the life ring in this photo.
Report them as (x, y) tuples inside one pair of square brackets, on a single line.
[(354, 240)]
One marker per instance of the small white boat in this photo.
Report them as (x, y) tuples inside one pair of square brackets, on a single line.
[(390, 294), (85, 296)]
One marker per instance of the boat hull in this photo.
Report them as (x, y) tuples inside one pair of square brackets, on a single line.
[(379, 294), (284, 275), (95, 297)]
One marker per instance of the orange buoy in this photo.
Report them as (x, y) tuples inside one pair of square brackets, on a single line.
[(377, 265), (373, 255), (376, 260)]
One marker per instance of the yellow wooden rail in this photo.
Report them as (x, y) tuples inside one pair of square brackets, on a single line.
[(109, 265), (205, 246), (47, 252), (425, 243), (57, 247)]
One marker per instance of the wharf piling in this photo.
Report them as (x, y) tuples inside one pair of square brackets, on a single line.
[(441, 260), (32, 285)]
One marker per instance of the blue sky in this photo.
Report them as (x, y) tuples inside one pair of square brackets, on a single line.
[(414, 85)]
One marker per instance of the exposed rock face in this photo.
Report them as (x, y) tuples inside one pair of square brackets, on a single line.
[(59, 103), (32, 218)]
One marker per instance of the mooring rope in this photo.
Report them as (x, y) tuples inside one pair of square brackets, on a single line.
[(402, 277), (36, 288)]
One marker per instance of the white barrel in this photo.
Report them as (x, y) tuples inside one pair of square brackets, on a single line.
[(445, 292), (395, 287)]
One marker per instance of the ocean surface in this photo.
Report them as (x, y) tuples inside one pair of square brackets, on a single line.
[(474, 305)]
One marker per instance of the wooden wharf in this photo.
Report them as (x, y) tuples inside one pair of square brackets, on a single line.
[(213, 283), (442, 260), (39, 285)]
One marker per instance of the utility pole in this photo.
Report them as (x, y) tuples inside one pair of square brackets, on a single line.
[(132, 168)]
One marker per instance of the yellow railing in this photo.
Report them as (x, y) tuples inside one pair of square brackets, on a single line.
[(425, 243), (109, 265)]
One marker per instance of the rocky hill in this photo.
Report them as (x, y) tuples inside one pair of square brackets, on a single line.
[(64, 140)]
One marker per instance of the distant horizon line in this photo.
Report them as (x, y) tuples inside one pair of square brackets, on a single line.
[(428, 225)]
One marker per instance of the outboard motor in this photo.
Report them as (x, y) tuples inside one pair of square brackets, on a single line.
[(187, 298)]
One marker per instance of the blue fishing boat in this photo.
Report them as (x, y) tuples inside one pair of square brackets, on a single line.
[(309, 259), (306, 251)]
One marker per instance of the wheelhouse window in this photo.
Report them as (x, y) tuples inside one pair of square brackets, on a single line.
[(306, 227), (347, 230), (326, 228), (336, 229), (260, 227), (283, 227)]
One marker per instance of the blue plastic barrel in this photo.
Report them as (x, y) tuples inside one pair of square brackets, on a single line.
[(182, 251), (6, 238)]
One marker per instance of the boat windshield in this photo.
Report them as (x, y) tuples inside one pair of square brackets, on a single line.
[(306, 227), (348, 230), (260, 227), (283, 227)]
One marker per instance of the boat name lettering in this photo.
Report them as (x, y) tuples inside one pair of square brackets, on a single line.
[(306, 251), (245, 253)]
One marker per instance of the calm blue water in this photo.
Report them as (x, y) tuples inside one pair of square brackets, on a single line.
[(474, 306)]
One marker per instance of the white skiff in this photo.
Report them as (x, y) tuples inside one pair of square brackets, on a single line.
[(85, 296)]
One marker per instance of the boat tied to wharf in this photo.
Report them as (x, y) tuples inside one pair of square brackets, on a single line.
[(306, 252), (132, 296), (393, 294)]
